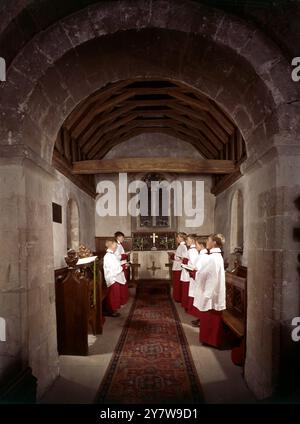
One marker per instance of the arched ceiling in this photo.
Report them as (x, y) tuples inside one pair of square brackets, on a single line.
[(125, 109), (22, 20)]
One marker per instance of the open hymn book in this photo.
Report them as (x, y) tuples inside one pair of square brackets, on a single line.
[(86, 261)]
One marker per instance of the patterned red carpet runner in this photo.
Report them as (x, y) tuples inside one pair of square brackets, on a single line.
[(152, 362)]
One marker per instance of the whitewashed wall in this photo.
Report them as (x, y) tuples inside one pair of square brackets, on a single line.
[(63, 190), (156, 145)]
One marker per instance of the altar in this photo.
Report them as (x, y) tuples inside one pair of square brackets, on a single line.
[(152, 265), (150, 254)]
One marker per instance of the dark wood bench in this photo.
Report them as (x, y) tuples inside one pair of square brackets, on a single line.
[(235, 316)]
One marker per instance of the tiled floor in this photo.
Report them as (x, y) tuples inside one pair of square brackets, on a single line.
[(80, 377)]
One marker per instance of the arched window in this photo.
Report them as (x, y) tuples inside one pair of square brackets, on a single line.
[(237, 222), (2, 330), (72, 225), (151, 221)]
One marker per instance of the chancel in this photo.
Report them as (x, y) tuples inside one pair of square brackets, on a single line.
[(103, 106)]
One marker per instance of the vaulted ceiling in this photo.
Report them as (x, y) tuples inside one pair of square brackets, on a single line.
[(125, 109)]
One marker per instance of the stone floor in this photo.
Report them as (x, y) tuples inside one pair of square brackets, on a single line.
[(80, 377)]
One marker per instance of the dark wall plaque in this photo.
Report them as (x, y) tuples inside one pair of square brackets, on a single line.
[(57, 213)]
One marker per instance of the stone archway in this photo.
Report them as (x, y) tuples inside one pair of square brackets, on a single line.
[(254, 89)]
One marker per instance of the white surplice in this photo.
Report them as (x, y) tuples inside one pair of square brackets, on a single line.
[(210, 291), (199, 263), (192, 256), (181, 252), (113, 271)]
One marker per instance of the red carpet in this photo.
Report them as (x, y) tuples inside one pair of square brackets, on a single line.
[(152, 361)]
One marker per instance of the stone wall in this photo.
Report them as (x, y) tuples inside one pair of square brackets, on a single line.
[(285, 218), (209, 207), (154, 145), (278, 19), (259, 254), (27, 300), (11, 290), (271, 193), (63, 190), (228, 60)]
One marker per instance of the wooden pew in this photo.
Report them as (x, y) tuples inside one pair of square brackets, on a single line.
[(235, 316)]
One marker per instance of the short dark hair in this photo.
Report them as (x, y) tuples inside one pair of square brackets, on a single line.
[(119, 234)]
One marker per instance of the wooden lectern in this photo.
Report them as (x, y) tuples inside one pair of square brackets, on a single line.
[(80, 291)]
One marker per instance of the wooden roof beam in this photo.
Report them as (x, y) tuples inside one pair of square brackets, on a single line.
[(100, 108), (154, 164), (100, 95), (199, 126), (100, 120), (208, 107), (202, 116)]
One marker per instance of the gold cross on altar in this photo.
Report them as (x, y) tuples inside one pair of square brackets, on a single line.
[(154, 236), (153, 268)]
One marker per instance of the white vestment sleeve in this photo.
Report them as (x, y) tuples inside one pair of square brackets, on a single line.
[(112, 268)]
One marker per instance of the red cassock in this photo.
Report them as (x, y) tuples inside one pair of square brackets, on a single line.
[(211, 328), (113, 297), (185, 286), (124, 257), (192, 310), (238, 354), (124, 293), (176, 286)]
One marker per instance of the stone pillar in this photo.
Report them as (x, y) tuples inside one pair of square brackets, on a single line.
[(27, 300), (288, 217), (273, 287)]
